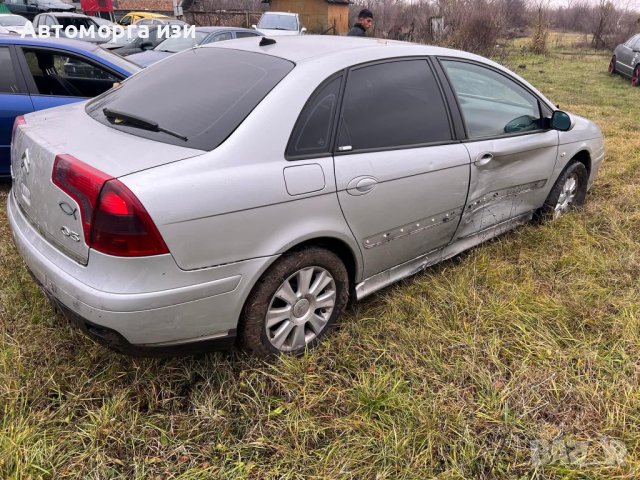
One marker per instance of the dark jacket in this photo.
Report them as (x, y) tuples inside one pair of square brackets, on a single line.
[(357, 31)]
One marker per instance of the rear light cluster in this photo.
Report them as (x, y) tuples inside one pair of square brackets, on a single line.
[(113, 219), (16, 123)]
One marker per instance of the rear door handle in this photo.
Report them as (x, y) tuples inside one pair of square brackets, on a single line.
[(483, 159), (361, 185)]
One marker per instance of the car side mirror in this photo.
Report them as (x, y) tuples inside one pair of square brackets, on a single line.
[(254, 27), (146, 45), (561, 121), (303, 30)]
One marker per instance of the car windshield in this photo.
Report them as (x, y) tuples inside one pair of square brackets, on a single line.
[(278, 22), (75, 22), (12, 21), (179, 43), (128, 36), (206, 106)]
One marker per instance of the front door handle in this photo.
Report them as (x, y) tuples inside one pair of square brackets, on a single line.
[(361, 185), (483, 159)]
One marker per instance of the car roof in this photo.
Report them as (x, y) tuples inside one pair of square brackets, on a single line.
[(148, 14), (302, 48), (219, 29), (281, 13), (63, 43), (65, 14)]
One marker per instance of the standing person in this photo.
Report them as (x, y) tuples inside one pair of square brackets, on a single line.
[(364, 23)]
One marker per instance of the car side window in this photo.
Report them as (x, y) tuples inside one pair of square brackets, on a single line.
[(8, 81), (491, 103), (220, 37), (246, 34), (632, 41), (392, 104), (63, 75), (312, 133), (126, 20)]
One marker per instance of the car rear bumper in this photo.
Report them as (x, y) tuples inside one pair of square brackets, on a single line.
[(164, 314)]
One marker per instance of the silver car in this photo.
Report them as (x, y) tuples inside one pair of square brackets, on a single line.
[(251, 199), (626, 60)]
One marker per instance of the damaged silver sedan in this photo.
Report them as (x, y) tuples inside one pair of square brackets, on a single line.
[(282, 179)]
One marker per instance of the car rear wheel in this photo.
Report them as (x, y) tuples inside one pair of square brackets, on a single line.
[(295, 303), (635, 77), (612, 65), (569, 192)]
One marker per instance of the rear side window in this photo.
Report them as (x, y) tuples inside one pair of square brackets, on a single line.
[(392, 104), (8, 82), (245, 34), (312, 133), (202, 94)]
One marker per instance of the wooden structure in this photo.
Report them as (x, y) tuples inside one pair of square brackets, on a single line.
[(318, 16)]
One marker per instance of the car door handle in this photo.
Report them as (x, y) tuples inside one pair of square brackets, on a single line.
[(483, 159), (361, 185)]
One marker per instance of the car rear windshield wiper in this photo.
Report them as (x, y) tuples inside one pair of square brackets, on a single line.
[(122, 117)]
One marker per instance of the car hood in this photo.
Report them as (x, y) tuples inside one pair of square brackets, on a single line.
[(278, 33), (144, 59)]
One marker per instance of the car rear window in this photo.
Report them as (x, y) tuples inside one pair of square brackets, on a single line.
[(201, 95)]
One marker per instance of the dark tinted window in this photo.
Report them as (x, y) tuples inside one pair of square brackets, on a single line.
[(246, 34), (222, 87), (312, 132), (393, 104), (8, 83)]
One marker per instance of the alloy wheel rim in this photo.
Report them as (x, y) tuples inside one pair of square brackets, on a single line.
[(567, 195), (300, 309)]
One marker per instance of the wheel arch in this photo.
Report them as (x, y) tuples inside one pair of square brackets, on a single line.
[(339, 247), (584, 157)]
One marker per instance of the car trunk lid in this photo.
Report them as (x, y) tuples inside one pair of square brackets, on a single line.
[(51, 211)]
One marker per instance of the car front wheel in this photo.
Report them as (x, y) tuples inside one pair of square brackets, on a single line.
[(612, 65), (569, 192), (635, 77), (295, 303)]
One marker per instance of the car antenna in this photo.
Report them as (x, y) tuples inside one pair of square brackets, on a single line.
[(267, 41)]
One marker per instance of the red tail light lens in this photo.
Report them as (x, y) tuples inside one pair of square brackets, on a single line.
[(82, 183), (16, 123), (113, 219), (121, 225)]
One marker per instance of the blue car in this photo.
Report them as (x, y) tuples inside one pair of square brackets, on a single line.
[(38, 73)]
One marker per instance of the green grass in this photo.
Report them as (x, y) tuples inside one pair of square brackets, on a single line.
[(450, 374)]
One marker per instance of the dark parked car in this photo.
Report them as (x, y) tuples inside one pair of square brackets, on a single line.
[(626, 60), (132, 42), (30, 8), (36, 73)]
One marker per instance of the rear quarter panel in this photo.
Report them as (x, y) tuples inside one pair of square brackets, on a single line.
[(232, 204)]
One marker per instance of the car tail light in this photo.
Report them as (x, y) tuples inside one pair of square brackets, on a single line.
[(16, 123), (113, 219)]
